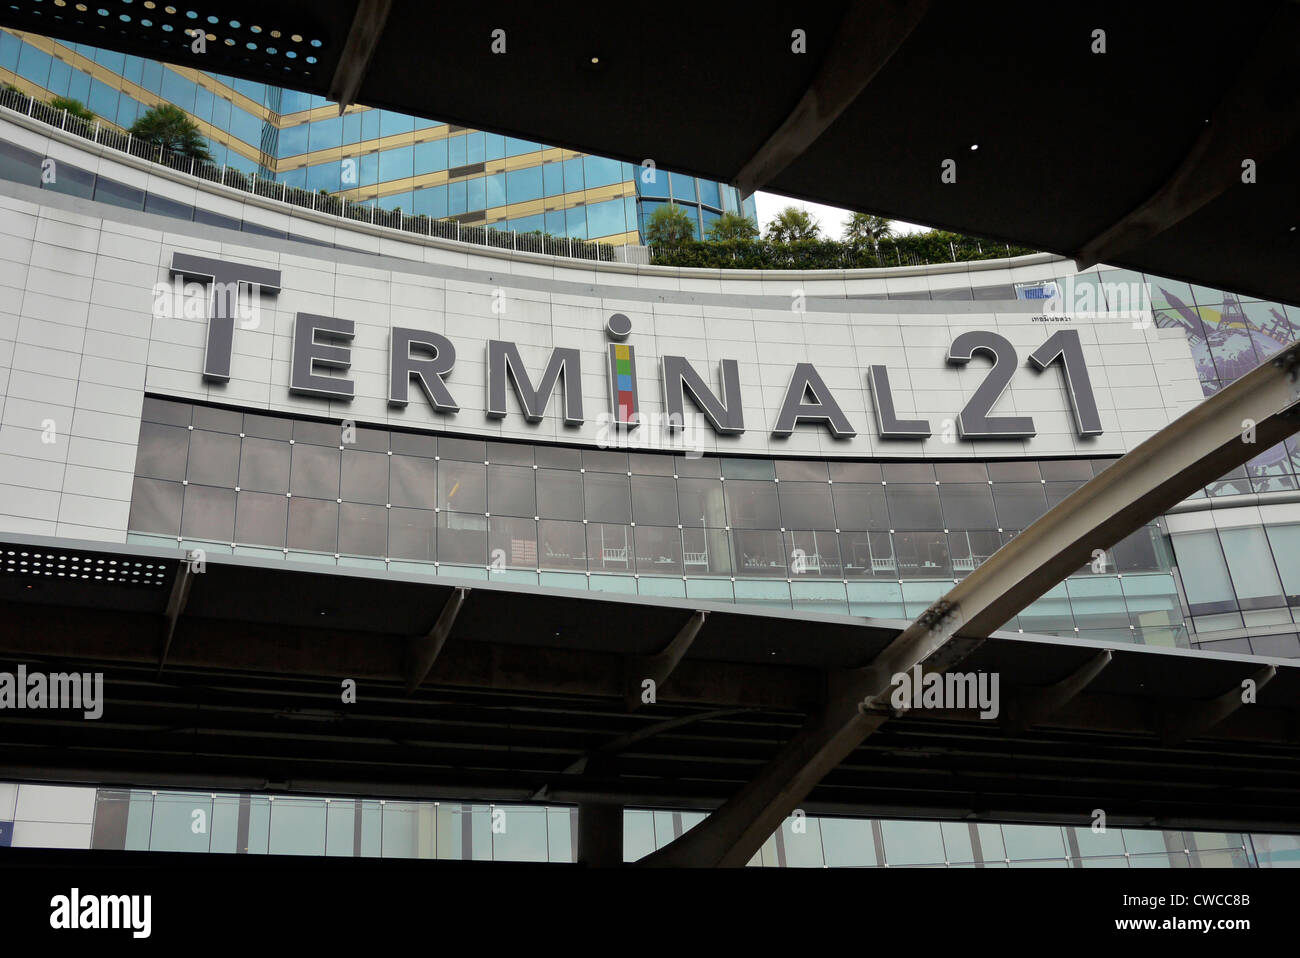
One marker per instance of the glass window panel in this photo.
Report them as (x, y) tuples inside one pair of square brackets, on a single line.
[(510, 453), (1097, 602), (748, 469), (1285, 541), (512, 542), (208, 513), (806, 469), (559, 494), (214, 459), (650, 464), (462, 486), (1250, 563), (414, 482), (412, 534), (706, 552), (172, 828), (1066, 469), (806, 505), (654, 500), (313, 525), (260, 518), (700, 502), (962, 472), (315, 471), (462, 538), (970, 548), (363, 530), (860, 505), (658, 550), (848, 842), (297, 827), (759, 552), (914, 505), (922, 554), (608, 498), (1141, 551), (1205, 574), (413, 444), (1027, 842), (1017, 469), (558, 457), (908, 472), (512, 491), (77, 182), (562, 545), (156, 506), (162, 451), (118, 194), (430, 156), (171, 413), (1057, 492), (700, 468), (968, 505), (1051, 613), (1018, 503), (602, 460), (609, 547), (814, 553), (524, 185), (264, 465), (868, 554), (883, 600), (912, 843), (752, 504), (365, 476), (467, 450)]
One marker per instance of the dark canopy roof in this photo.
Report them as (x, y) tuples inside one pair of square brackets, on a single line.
[(1132, 156)]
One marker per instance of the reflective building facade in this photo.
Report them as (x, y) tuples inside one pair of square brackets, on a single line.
[(368, 155)]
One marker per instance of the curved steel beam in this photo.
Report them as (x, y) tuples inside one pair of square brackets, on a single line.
[(1252, 122), (1257, 411), (868, 37), (363, 38)]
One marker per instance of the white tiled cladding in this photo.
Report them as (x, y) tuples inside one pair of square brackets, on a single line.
[(79, 348)]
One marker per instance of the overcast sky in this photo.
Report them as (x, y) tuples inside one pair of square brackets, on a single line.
[(832, 219)]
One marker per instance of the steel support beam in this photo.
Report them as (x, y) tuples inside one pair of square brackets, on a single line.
[(870, 34), (176, 602), (363, 38), (1033, 706), (1251, 123), (1198, 447), (423, 651), (657, 668), (1181, 724)]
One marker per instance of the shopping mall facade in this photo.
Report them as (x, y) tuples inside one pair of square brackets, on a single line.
[(848, 442)]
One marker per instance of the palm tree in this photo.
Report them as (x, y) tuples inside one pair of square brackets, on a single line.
[(793, 225), (669, 225), (173, 128), (865, 228), (732, 226)]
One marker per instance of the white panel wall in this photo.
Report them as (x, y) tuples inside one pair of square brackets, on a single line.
[(80, 346)]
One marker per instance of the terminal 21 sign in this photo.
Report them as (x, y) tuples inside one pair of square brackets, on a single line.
[(321, 344)]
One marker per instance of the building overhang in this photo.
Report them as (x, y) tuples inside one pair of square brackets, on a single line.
[(526, 698), (1121, 133)]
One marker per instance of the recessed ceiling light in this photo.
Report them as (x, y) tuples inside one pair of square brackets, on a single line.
[(595, 59), (974, 146)]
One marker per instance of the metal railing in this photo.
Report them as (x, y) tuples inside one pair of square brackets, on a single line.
[(322, 202)]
